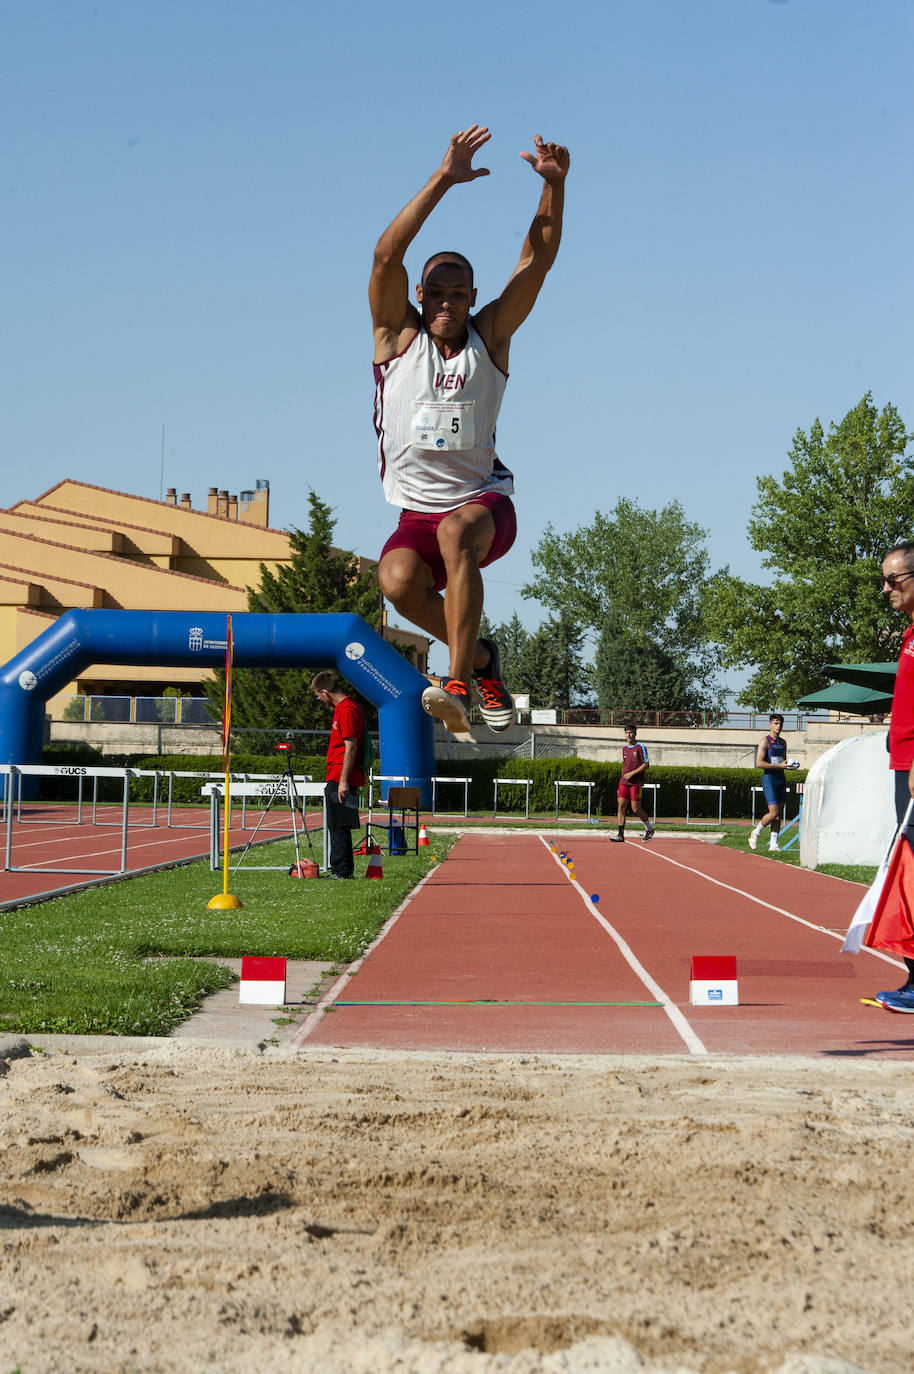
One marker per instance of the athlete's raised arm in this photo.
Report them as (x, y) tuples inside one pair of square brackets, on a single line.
[(388, 289), (498, 321)]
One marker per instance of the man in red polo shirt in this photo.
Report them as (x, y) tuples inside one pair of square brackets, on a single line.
[(898, 585), (344, 775)]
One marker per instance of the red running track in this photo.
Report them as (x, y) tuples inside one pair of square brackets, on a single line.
[(500, 950)]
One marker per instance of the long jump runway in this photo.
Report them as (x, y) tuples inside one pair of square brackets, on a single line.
[(501, 950)]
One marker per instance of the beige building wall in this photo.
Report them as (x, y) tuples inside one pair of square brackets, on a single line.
[(81, 546)]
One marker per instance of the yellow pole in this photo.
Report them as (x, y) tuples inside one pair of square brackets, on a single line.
[(225, 900)]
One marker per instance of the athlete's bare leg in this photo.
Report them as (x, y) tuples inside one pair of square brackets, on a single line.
[(464, 538), (409, 585)]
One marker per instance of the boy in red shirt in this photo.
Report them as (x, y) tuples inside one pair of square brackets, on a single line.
[(635, 764)]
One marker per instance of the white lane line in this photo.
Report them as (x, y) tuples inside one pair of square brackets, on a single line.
[(759, 901), (314, 1018), (680, 1024)]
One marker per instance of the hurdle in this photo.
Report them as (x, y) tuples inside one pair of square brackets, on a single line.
[(15, 772), (437, 782), (574, 783), (755, 793), (267, 791), (705, 787), (513, 782)]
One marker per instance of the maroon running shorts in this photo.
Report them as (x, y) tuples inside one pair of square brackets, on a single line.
[(630, 792), (418, 530)]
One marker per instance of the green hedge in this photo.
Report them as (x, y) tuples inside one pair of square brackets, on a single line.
[(544, 772), (737, 799)]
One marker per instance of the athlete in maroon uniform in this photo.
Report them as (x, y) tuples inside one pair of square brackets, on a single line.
[(635, 764)]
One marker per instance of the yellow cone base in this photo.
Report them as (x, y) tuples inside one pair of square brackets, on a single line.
[(223, 901)]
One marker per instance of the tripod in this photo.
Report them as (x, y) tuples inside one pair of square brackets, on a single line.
[(286, 789)]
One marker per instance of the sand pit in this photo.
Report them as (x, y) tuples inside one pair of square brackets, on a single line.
[(190, 1207)]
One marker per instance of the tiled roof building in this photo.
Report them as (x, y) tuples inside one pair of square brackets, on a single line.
[(82, 546)]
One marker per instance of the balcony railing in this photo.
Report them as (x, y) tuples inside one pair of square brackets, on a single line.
[(137, 710), (691, 720)]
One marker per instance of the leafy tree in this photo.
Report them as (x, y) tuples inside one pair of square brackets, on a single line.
[(318, 578), (846, 497), (636, 574)]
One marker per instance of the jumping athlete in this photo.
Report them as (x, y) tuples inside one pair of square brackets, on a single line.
[(635, 764), (440, 375)]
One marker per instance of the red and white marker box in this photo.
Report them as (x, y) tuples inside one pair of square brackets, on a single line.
[(713, 982), (263, 981)]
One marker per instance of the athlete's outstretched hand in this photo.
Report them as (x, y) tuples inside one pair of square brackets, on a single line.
[(551, 160), (461, 151)]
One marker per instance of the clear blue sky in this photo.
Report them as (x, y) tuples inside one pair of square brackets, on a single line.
[(191, 192)]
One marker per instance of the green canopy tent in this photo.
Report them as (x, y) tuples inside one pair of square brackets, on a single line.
[(879, 677), (846, 696)]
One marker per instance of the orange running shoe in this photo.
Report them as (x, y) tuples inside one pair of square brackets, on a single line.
[(450, 704)]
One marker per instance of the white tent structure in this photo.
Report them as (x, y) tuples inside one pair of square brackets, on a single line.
[(848, 804)]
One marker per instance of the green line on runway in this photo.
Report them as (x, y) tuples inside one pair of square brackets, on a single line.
[(480, 1002)]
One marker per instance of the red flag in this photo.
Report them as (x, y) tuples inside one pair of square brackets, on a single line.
[(227, 709), (892, 926)]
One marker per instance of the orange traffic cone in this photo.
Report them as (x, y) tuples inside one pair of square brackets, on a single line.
[(423, 835), (374, 869)]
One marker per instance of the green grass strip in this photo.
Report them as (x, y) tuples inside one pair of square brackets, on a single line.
[(479, 1002), (737, 837), (138, 956)]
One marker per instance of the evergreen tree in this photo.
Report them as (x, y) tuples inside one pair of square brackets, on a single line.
[(553, 669), (548, 664), (511, 638), (632, 671), (317, 579)]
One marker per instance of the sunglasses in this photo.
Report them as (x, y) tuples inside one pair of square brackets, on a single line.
[(894, 580)]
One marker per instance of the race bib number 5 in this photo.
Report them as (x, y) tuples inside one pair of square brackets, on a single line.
[(444, 425)]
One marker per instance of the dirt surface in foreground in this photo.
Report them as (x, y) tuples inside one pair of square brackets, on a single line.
[(190, 1208)]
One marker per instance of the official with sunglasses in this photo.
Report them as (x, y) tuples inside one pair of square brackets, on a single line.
[(898, 586)]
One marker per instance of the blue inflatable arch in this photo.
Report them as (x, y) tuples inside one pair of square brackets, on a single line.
[(176, 638)]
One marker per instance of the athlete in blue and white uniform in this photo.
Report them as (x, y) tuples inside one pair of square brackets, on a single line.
[(771, 757)]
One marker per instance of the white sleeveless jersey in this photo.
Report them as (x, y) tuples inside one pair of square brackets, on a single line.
[(435, 421)]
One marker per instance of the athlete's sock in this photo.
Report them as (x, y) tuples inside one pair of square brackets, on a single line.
[(910, 982)]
